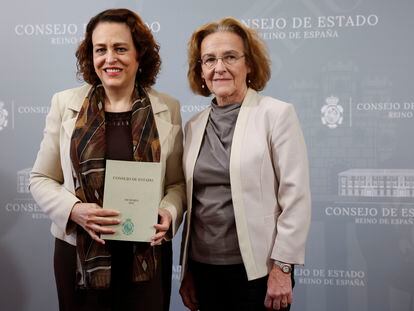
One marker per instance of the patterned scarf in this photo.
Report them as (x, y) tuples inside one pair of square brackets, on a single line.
[(88, 160)]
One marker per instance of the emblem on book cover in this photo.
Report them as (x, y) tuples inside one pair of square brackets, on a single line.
[(128, 227)]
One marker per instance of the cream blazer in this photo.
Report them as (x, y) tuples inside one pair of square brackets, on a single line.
[(51, 181), (269, 182)]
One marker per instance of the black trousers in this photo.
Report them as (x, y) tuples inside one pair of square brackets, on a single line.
[(153, 295), (226, 288)]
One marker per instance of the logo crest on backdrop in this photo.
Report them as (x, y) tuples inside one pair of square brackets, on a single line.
[(332, 112), (3, 116)]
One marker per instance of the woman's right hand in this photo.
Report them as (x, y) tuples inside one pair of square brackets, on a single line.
[(94, 219), (188, 292)]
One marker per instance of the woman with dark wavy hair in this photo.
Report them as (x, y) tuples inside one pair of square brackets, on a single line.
[(247, 179), (116, 115)]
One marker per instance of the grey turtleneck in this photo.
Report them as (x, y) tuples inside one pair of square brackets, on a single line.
[(213, 230)]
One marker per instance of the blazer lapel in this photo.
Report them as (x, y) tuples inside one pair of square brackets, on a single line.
[(164, 127), (75, 105), (250, 100), (195, 134)]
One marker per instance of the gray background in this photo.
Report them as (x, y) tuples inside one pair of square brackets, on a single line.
[(352, 57)]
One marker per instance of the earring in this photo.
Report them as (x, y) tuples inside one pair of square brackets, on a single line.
[(202, 86)]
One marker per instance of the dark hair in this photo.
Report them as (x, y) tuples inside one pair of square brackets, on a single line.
[(147, 49), (254, 50)]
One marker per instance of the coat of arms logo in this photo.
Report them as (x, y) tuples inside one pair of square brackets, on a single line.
[(3, 116), (332, 112)]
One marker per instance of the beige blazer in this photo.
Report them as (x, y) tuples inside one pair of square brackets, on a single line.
[(269, 182), (51, 181)]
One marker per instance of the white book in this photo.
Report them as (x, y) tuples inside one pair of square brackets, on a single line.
[(134, 189)]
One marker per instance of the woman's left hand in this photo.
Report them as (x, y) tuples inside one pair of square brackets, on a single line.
[(279, 290), (162, 227)]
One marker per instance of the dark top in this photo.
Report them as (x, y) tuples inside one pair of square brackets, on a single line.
[(118, 135), (119, 146)]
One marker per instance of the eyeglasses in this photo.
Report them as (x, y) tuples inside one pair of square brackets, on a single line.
[(211, 61)]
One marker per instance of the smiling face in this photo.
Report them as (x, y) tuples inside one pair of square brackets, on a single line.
[(226, 82), (115, 58)]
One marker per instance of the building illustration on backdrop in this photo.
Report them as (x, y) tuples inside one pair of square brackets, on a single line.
[(23, 177), (376, 183)]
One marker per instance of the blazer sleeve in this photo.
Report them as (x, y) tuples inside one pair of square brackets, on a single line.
[(46, 178), (174, 199), (291, 167)]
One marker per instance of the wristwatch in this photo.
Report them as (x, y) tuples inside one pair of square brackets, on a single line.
[(285, 267)]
